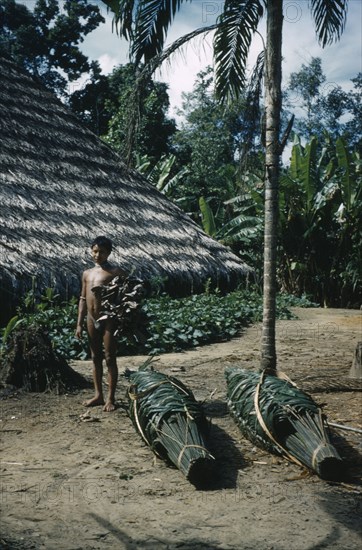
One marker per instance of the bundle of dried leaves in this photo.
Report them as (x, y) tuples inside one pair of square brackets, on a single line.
[(121, 301)]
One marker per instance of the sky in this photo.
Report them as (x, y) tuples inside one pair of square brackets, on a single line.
[(340, 62)]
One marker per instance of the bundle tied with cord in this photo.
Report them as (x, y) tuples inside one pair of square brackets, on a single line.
[(279, 417), (170, 420)]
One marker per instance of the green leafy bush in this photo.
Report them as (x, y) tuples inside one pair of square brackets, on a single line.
[(55, 317)]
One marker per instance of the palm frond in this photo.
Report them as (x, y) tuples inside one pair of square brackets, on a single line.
[(144, 22), (123, 11), (153, 19), (156, 62), (146, 72), (236, 26), (330, 19), (253, 95)]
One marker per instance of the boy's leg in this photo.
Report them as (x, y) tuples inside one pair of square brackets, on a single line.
[(95, 343), (110, 349)]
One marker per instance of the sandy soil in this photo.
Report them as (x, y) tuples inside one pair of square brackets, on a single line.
[(71, 481)]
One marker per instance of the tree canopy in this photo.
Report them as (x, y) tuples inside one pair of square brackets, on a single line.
[(321, 107), (153, 127), (46, 41)]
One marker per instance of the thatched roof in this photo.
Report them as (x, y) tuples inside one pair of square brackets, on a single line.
[(61, 186)]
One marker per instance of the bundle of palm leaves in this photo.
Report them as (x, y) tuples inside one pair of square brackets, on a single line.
[(170, 420), (121, 300), (276, 415)]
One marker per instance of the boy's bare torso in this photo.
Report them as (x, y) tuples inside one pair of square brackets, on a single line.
[(95, 277)]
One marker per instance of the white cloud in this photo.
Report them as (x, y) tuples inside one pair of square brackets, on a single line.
[(105, 46), (108, 62)]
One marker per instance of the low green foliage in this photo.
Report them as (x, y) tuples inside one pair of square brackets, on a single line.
[(288, 300), (206, 318), (57, 318), (174, 324), (195, 320)]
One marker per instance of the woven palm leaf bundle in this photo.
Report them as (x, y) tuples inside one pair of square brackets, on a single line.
[(279, 417), (170, 420)]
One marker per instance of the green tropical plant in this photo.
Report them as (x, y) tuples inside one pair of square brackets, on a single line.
[(161, 174), (207, 216), (152, 127), (145, 24), (320, 227), (174, 324), (208, 142), (6, 331), (56, 318), (347, 263)]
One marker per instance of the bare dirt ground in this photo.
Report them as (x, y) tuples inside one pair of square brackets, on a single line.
[(72, 482)]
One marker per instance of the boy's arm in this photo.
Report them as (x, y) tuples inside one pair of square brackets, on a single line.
[(82, 308)]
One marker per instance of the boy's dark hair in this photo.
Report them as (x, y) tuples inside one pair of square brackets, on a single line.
[(103, 241)]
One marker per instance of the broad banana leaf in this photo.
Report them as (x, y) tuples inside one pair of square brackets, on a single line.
[(208, 220)]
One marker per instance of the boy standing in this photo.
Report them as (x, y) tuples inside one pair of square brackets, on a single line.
[(89, 306)]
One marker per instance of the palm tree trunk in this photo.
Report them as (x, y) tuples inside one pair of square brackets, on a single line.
[(272, 107)]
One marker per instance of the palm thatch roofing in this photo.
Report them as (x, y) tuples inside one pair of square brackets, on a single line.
[(61, 186)]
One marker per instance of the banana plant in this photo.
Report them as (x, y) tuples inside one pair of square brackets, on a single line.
[(320, 205), (349, 176), (5, 332), (247, 223), (348, 256), (207, 217), (160, 174)]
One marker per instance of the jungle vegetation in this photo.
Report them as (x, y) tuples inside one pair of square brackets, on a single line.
[(213, 165)]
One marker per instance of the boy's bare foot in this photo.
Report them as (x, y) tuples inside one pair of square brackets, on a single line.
[(109, 406), (94, 402)]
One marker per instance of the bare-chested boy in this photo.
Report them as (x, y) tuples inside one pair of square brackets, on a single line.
[(89, 306)]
